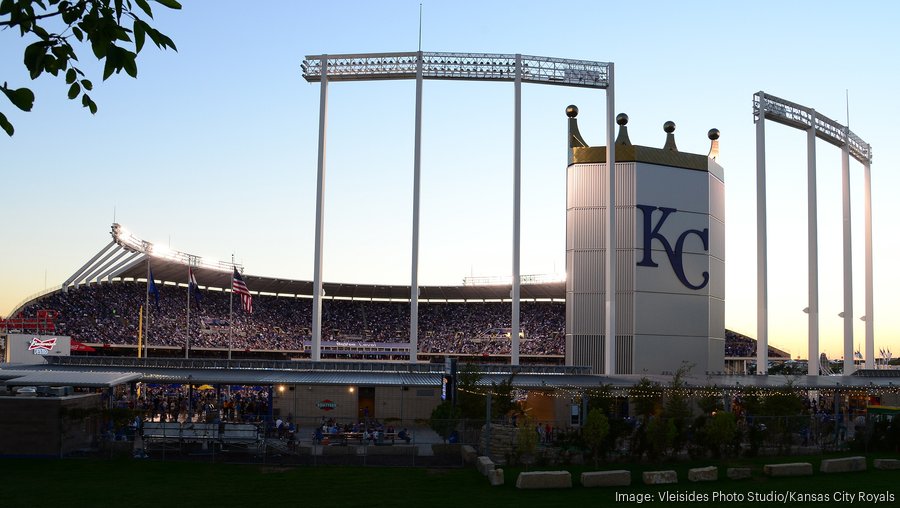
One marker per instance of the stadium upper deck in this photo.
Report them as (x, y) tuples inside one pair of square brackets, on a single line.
[(125, 258)]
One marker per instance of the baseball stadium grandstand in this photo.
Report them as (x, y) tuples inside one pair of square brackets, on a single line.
[(99, 306)]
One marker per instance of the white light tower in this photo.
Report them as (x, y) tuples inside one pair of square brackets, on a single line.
[(446, 66), (768, 107)]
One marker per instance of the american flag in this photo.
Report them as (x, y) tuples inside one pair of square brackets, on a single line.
[(239, 287), (193, 287)]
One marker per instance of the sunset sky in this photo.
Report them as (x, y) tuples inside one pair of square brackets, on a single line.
[(212, 150)]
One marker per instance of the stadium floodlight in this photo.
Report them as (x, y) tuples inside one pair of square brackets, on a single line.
[(128, 241), (769, 107), (419, 65), (163, 251), (458, 66)]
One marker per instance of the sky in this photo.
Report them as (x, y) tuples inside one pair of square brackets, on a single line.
[(212, 150)]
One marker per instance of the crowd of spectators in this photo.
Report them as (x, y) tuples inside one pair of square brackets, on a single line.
[(740, 346), (179, 403), (108, 314)]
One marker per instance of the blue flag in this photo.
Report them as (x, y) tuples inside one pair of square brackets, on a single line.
[(153, 290), (193, 286)]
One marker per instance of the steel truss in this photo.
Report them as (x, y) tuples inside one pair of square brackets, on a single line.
[(463, 66)]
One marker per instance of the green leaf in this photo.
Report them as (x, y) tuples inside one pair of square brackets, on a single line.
[(86, 84), (21, 98), (171, 4), (69, 15), (78, 33), (34, 58), (88, 103), (70, 76), (122, 34), (108, 68), (129, 64), (144, 7), (6, 125), (118, 11), (51, 64), (99, 48), (40, 32), (154, 36), (61, 52), (74, 90), (139, 33), (168, 42)]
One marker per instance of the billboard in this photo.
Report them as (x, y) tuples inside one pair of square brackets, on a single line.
[(32, 348)]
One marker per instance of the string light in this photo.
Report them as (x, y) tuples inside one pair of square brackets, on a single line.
[(662, 391)]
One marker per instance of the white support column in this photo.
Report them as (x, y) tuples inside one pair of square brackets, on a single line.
[(762, 289), (417, 169), (517, 208), (65, 285), (848, 259), (187, 330), (813, 247), (610, 328), (870, 298), (316, 353)]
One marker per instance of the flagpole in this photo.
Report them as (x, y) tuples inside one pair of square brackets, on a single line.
[(140, 330), (231, 308), (147, 306), (187, 334)]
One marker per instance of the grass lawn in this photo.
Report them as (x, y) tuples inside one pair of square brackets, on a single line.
[(32, 483)]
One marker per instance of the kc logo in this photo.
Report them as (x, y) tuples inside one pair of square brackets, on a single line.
[(676, 255)]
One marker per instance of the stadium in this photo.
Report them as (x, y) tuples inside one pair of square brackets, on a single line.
[(205, 352)]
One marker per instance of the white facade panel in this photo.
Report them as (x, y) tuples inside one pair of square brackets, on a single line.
[(665, 314), (662, 278), (716, 318), (655, 354), (32, 349), (682, 189), (716, 198), (716, 278), (716, 355)]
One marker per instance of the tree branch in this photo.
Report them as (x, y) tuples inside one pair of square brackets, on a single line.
[(42, 16)]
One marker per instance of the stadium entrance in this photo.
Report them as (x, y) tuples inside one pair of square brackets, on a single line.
[(366, 401)]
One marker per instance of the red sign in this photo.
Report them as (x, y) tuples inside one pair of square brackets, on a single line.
[(79, 346), (326, 405)]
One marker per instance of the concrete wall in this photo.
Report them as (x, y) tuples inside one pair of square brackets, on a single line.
[(20, 350)]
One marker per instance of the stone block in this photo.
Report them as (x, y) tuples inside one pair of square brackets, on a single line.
[(660, 477), (703, 474), (468, 454), (495, 476), (739, 473), (484, 465), (789, 469), (617, 478), (843, 465), (887, 464), (544, 480)]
